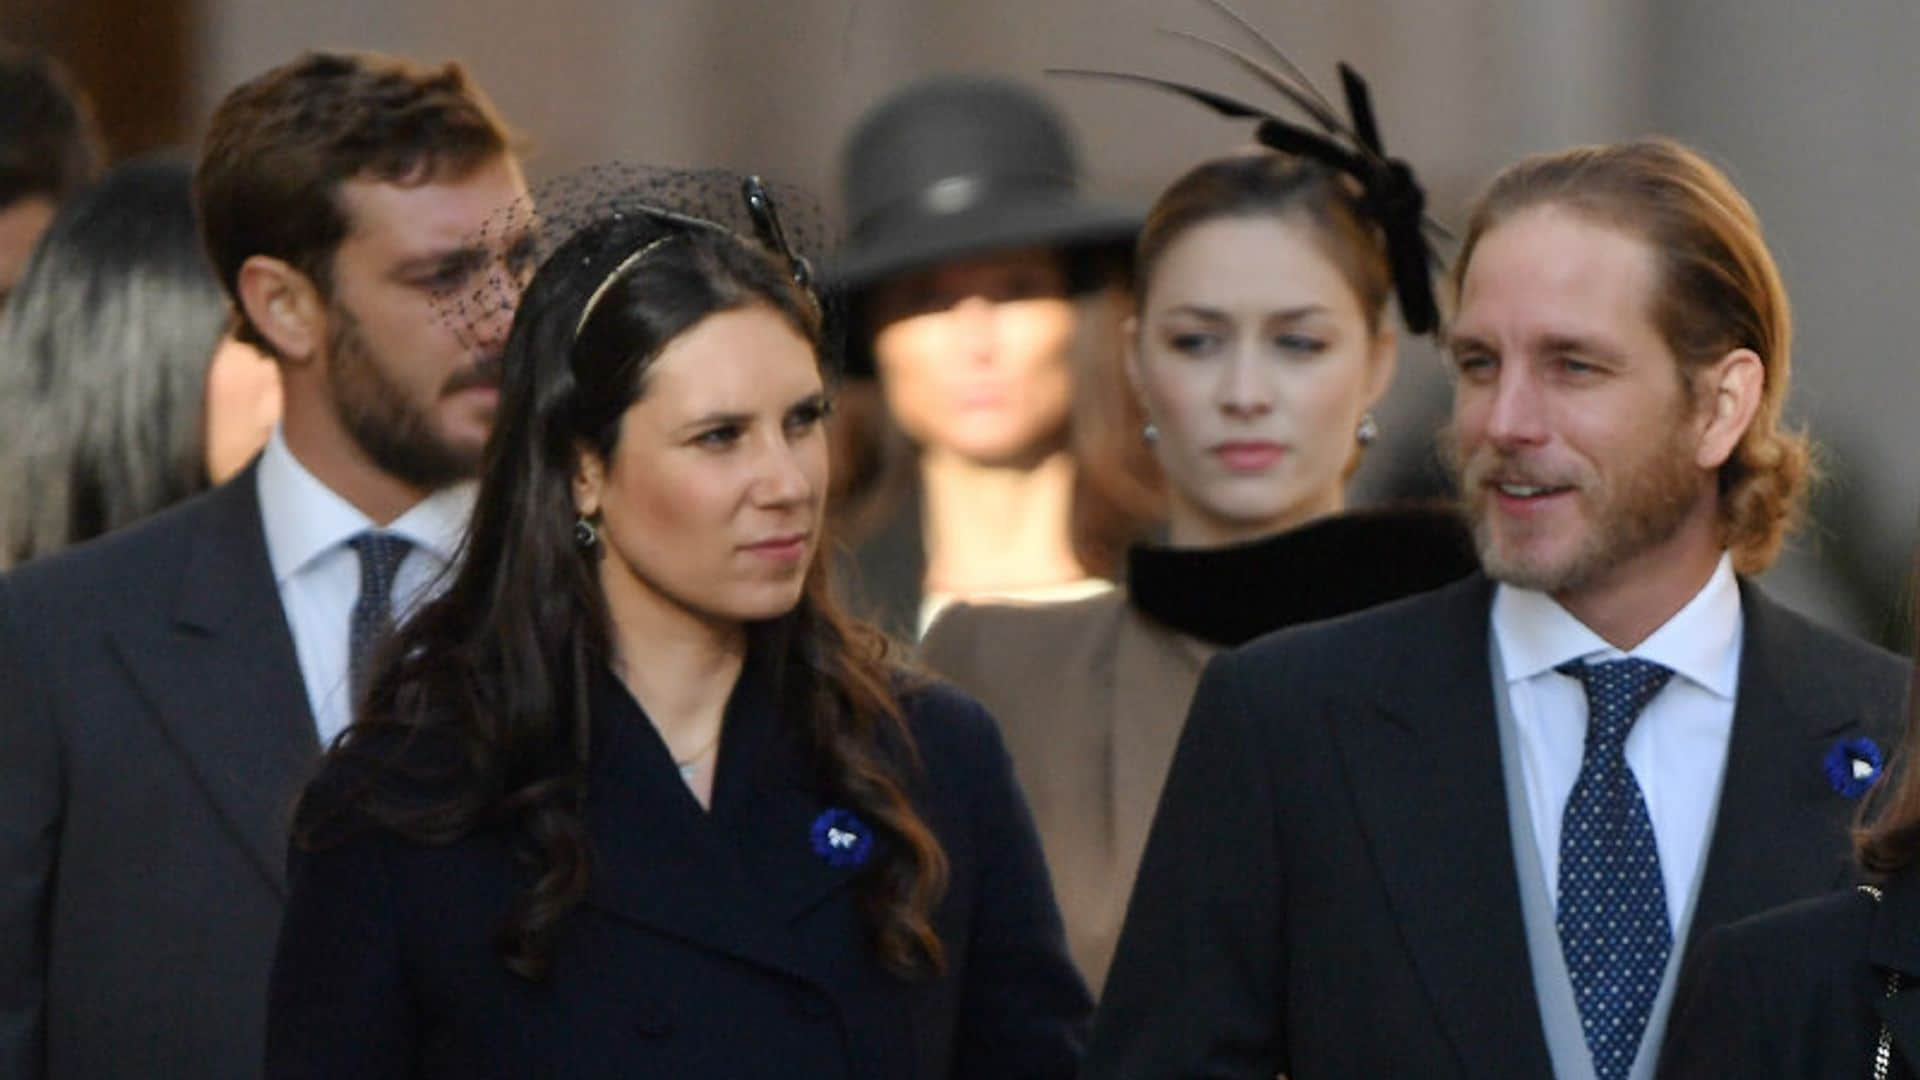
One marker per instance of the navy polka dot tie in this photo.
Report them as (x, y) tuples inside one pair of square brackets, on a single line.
[(380, 556), (1613, 903)]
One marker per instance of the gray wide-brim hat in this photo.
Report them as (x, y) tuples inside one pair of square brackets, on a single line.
[(957, 166)]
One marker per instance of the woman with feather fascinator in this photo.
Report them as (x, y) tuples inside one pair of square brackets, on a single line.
[(1261, 337)]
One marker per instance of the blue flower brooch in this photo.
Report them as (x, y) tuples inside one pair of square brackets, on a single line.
[(841, 839), (1853, 765)]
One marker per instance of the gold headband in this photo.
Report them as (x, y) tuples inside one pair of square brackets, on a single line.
[(625, 265)]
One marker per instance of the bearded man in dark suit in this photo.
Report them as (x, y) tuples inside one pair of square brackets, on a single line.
[(165, 690), (1474, 833)]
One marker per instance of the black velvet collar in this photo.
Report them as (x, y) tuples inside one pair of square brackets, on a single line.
[(1339, 564)]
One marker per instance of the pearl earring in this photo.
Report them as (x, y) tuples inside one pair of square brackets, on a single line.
[(1368, 430), (1150, 433)]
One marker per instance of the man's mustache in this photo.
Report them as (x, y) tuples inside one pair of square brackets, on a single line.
[(485, 372)]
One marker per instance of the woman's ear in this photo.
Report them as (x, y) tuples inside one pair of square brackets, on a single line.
[(589, 482), (282, 303)]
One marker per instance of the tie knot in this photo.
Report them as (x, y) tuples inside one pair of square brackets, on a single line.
[(380, 556), (1617, 690)]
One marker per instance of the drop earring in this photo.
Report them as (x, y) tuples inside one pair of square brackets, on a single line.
[(1150, 433), (586, 536), (1368, 430)]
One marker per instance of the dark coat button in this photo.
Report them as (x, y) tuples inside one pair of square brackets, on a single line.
[(652, 1020)]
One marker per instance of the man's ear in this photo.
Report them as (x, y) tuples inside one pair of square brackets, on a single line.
[(1730, 393), (283, 304), (589, 480)]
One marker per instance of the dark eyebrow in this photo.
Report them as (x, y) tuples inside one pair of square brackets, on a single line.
[(716, 419), (719, 419), (1459, 343), (1568, 343), (463, 260), (1201, 311)]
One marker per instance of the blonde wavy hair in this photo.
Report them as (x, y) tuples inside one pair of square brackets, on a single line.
[(1718, 290)]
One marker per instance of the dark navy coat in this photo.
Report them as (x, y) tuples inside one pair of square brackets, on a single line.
[(713, 943)]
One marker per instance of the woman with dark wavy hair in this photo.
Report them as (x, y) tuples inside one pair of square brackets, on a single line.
[(632, 797)]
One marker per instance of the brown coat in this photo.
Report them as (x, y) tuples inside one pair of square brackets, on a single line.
[(1090, 696)]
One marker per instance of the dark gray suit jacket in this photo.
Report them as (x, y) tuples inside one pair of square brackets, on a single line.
[(154, 732), (1329, 887)]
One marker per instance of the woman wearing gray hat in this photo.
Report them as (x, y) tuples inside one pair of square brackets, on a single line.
[(974, 274)]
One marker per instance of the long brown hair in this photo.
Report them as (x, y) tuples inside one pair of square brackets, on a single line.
[(1718, 290), (496, 669)]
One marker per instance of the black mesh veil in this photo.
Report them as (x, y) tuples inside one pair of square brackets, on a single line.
[(784, 220)]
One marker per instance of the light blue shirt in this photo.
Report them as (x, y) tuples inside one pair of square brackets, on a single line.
[(318, 575), (1678, 748)]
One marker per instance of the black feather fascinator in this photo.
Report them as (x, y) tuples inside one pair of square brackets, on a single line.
[(1389, 192)]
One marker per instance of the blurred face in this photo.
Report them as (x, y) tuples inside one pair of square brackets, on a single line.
[(242, 405), (1577, 447), (973, 357), (1255, 361), (21, 224), (415, 391), (711, 502)]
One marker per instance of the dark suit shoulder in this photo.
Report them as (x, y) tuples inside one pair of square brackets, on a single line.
[(137, 549), (1828, 679), (951, 729), (139, 567), (1360, 646), (1805, 935), (1784, 993), (1824, 652)]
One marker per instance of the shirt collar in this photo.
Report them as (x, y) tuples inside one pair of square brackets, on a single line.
[(1701, 642), (304, 518)]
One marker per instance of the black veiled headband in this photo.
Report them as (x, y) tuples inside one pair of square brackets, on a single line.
[(766, 227)]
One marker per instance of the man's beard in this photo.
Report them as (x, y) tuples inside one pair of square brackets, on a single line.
[(396, 433), (1642, 509)]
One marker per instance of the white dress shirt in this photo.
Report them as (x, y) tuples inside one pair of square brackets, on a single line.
[(307, 527), (1677, 749)]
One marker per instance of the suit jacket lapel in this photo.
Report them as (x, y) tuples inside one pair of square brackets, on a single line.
[(1422, 760), (222, 680), (1780, 831)]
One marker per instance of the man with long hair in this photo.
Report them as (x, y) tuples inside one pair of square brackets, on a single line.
[(164, 692), (1474, 833)]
